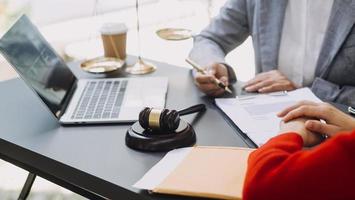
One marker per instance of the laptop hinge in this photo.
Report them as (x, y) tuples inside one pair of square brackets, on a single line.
[(67, 99)]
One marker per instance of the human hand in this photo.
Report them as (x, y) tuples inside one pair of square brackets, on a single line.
[(336, 120), (205, 82), (271, 81), (298, 126)]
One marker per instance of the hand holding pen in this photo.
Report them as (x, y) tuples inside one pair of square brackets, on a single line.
[(213, 82)]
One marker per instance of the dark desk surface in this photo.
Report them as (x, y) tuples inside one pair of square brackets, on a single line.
[(93, 160)]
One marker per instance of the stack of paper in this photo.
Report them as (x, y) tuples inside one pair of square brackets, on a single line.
[(213, 172), (256, 116)]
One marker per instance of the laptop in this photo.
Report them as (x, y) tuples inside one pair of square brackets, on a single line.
[(72, 100)]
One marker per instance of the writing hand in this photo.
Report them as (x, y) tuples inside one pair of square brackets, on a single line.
[(206, 82)]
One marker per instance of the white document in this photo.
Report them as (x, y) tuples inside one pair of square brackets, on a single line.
[(162, 169), (256, 116)]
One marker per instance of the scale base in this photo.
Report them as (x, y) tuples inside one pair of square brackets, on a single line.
[(141, 67)]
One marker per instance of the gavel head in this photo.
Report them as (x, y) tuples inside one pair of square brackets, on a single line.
[(159, 119)]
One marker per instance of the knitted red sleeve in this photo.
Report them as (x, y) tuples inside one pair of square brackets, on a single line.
[(280, 169)]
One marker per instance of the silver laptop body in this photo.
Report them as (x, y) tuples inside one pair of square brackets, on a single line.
[(73, 101)]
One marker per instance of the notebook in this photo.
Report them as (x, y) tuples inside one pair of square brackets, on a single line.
[(212, 172)]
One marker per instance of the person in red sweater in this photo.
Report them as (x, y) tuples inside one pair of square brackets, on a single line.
[(282, 169)]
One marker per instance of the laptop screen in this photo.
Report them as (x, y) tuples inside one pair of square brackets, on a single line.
[(37, 63)]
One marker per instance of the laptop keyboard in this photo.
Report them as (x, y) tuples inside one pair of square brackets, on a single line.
[(100, 100)]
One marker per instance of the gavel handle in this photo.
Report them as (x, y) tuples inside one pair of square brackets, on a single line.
[(192, 109)]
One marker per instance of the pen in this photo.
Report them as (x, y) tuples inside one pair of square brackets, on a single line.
[(351, 111), (202, 71)]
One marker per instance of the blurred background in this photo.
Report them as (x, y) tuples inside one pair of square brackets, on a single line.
[(72, 28)]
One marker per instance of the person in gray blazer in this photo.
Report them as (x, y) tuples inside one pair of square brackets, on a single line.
[(297, 43)]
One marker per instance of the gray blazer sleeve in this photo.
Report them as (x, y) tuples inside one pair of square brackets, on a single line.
[(226, 31), (331, 92)]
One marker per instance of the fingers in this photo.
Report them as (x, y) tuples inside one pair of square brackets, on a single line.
[(297, 105), (322, 128), (216, 90), (214, 71), (208, 87), (312, 139), (273, 74), (224, 80), (211, 89), (258, 78), (204, 79), (258, 85), (278, 86), (218, 70), (211, 71), (309, 111), (272, 88), (271, 81), (207, 84)]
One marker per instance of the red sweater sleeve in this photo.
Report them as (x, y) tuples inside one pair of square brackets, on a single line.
[(280, 169)]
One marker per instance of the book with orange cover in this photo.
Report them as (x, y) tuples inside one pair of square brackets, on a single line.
[(213, 172)]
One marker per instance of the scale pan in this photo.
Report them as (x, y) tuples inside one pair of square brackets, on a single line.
[(102, 65), (174, 33)]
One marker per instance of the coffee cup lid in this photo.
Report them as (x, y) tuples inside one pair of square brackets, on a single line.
[(113, 28)]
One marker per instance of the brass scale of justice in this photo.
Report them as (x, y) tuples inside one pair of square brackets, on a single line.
[(109, 64)]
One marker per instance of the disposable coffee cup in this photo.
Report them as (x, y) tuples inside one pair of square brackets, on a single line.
[(114, 36)]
